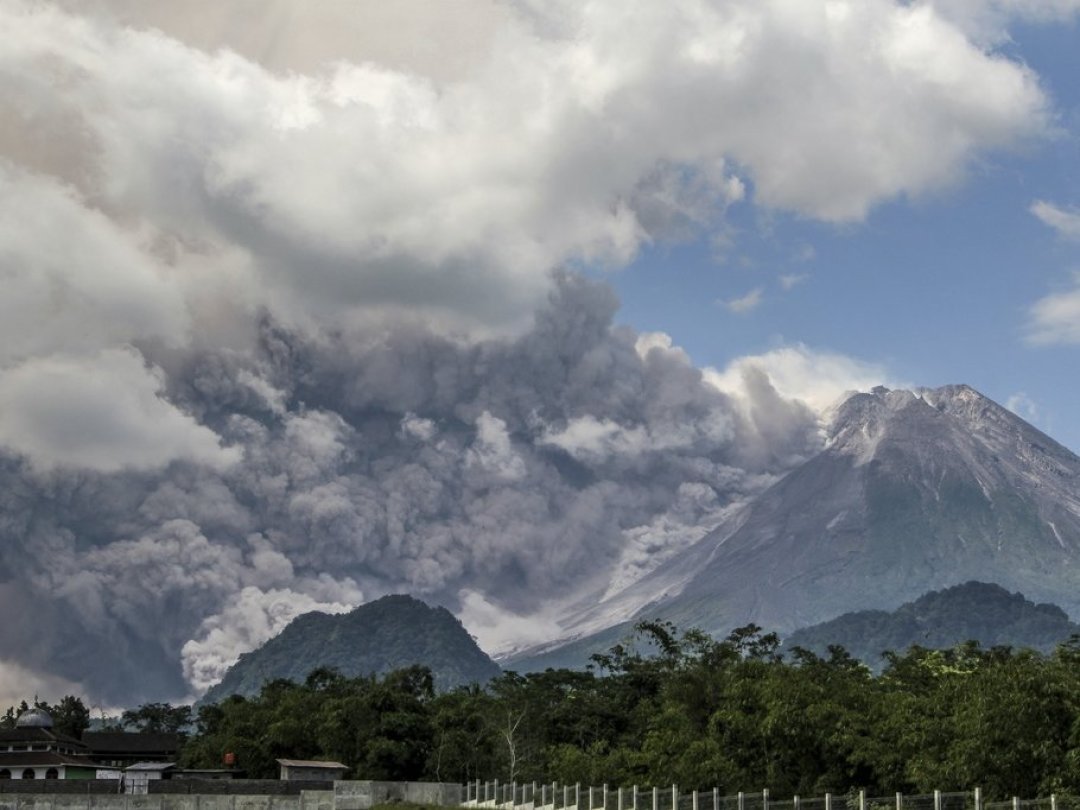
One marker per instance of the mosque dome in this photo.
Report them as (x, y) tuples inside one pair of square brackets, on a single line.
[(34, 718)]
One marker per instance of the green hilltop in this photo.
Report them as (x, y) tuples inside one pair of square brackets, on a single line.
[(387, 634), (974, 611)]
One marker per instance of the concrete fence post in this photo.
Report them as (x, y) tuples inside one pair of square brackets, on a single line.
[(828, 801), (577, 795), (795, 803), (937, 800), (618, 800), (693, 801), (716, 798), (765, 799), (634, 800), (899, 801), (1016, 803), (1053, 801), (656, 798), (742, 801), (604, 805), (978, 798), (674, 798), (862, 800), (565, 795)]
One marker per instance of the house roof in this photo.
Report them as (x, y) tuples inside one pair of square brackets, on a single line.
[(30, 759), (130, 742), (312, 763), (36, 735), (150, 766)]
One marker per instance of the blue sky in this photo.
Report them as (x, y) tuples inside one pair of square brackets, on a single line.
[(937, 289)]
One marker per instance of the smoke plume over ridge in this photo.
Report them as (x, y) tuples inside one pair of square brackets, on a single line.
[(282, 333)]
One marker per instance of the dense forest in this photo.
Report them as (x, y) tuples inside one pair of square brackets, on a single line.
[(693, 711)]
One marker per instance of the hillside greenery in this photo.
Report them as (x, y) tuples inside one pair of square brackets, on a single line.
[(978, 611), (737, 714), (379, 637)]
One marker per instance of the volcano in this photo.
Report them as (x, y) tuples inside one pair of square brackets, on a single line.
[(913, 491)]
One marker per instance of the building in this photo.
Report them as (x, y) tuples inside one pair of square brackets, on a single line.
[(120, 749), (32, 750), (137, 777), (308, 769)]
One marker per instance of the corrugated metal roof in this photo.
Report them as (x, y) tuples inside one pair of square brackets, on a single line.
[(311, 763), (150, 766)]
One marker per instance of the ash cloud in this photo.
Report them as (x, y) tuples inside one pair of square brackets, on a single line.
[(280, 326), (402, 462)]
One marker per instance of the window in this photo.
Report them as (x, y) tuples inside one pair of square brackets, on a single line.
[(52, 773), (5, 773), (28, 773)]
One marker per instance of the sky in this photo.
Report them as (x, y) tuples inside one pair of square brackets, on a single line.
[(501, 303), (972, 282)]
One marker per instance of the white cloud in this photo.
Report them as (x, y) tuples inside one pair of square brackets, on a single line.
[(1066, 221), (1023, 406), (73, 279), (988, 20), (499, 631), (362, 190), (745, 303), (798, 372), (418, 428), (443, 39), (18, 683), (493, 452), (789, 281), (1055, 318), (101, 412), (250, 618)]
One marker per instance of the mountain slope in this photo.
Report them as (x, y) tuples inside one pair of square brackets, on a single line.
[(974, 611), (378, 637), (913, 491)]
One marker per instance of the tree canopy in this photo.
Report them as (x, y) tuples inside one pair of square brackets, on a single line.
[(665, 707)]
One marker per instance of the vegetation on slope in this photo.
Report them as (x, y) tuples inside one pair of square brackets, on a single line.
[(378, 637), (736, 714), (976, 611)]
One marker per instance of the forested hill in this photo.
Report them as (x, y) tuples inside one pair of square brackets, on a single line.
[(974, 611), (376, 638)]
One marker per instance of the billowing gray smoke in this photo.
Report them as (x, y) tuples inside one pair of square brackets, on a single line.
[(279, 329), (526, 470)]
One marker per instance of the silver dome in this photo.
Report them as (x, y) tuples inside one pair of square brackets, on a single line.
[(34, 718)]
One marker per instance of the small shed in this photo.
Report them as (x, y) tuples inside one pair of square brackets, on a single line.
[(311, 769), (137, 777)]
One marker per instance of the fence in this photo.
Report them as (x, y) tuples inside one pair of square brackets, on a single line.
[(553, 796)]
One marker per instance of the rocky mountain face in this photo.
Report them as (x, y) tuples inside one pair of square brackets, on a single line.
[(375, 638), (973, 611), (914, 491)]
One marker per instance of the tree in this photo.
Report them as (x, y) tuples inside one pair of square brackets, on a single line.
[(70, 716), (157, 718)]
